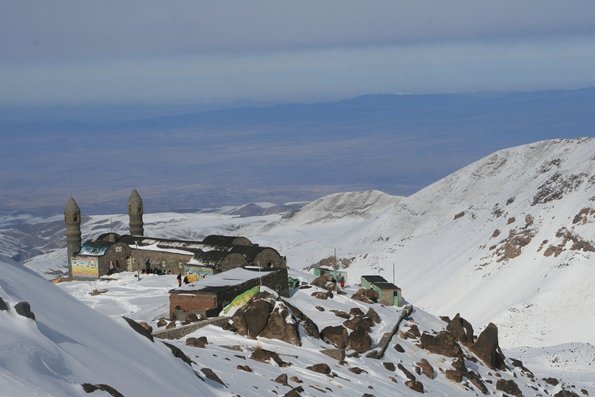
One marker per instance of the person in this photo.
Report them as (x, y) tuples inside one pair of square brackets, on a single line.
[(342, 282), (179, 279), (147, 266), (186, 281), (111, 268)]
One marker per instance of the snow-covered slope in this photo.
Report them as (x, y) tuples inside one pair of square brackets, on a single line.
[(474, 242), (69, 344)]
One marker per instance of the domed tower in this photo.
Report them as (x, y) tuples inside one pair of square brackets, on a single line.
[(72, 218), (135, 211)]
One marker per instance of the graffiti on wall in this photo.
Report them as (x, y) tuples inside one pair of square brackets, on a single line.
[(85, 267)]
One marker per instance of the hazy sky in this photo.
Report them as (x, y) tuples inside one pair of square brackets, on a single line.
[(145, 51)]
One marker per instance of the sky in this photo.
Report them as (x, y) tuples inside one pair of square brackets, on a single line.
[(76, 53)]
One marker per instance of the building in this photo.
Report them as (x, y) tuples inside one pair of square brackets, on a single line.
[(388, 293), (112, 252), (210, 295)]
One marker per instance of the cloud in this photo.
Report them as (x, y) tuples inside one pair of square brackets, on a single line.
[(84, 30)]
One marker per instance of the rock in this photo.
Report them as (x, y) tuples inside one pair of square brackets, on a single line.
[(3, 305), (508, 387), (357, 370), (355, 322), (323, 282), (192, 318), (413, 331), (98, 291), (24, 309), (360, 340), (178, 353), (197, 342), (399, 348), (446, 319), (368, 395), (476, 380), (279, 328), (371, 314), (244, 368), (321, 295), (565, 393), (340, 313), (320, 368), (162, 322), (453, 375), (264, 356), (487, 349), (319, 308), (426, 368), (444, 343), (139, 328), (89, 388), (407, 373), (519, 364), (212, 375), (356, 312), (461, 329), (337, 354), (171, 325), (415, 385), (585, 392), (295, 379), (365, 295), (389, 366), (309, 326), (252, 318), (294, 392), (147, 327), (282, 379), (551, 381), (459, 365), (335, 335)]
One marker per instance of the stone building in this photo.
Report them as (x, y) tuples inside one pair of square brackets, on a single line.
[(210, 295), (99, 258), (388, 293)]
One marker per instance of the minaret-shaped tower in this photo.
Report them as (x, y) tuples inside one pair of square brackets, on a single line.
[(135, 211), (72, 218)]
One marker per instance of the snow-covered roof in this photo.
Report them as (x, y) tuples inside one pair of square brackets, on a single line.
[(155, 247), (231, 277)]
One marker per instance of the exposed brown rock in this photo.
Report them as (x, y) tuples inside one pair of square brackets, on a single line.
[(170, 325), (444, 343), (178, 353), (584, 216), (319, 308), (340, 313), (90, 388), (295, 379), (200, 342), (192, 318), (413, 331), (453, 375), (320, 368), (3, 305), (510, 220), (337, 354), (264, 356), (390, 366), (356, 312), (244, 368), (251, 319), (461, 329), (24, 309), (282, 379), (365, 295), (355, 322), (374, 316), (139, 328), (335, 335), (415, 385), (360, 340), (477, 382), (459, 215), (407, 373), (279, 328), (488, 349), (510, 200), (322, 295), (566, 393), (496, 233), (357, 370), (309, 326), (509, 387), (209, 373), (426, 368), (399, 348), (529, 220), (294, 392), (162, 322)]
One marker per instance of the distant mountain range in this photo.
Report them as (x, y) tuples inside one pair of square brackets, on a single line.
[(393, 143)]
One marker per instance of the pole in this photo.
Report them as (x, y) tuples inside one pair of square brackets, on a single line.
[(393, 273)]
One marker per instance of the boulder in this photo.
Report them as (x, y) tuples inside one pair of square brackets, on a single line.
[(566, 393), (147, 327), (340, 313), (3, 305), (197, 342), (90, 388), (294, 392), (390, 366), (461, 329), (209, 373), (139, 328), (365, 295), (251, 319), (453, 375), (265, 356), (192, 318), (320, 368), (308, 325), (415, 385), (444, 343), (357, 370), (322, 295), (459, 365), (407, 373), (337, 354), (371, 314), (322, 281), (178, 353), (171, 325), (360, 340), (356, 312), (162, 322), (24, 309), (282, 379), (413, 331), (476, 381), (295, 379), (508, 387), (356, 322), (399, 348), (426, 368), (244, 368), (335, 335), (487, 349), (279, 328)]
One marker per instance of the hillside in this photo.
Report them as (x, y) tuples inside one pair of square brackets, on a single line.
[(67, 344)]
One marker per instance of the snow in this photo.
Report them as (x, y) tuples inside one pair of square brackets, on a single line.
[(230, 277)]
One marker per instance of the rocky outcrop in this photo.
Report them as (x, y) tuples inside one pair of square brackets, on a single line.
[(444, 343), (3, 305), (178, 353), (90, 388), (487, 348), (365, 295), (461, 329), (320, 368), (360, 340), (309, 326), (200, 342), (415, 385), (251, 319), (509, 387), (139, 328), (278, 327), (371, 314), (335, 335), (24, 309), (426, 368), (210, 374), (265, 356)]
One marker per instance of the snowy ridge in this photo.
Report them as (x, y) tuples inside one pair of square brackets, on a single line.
[(69, 344)]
